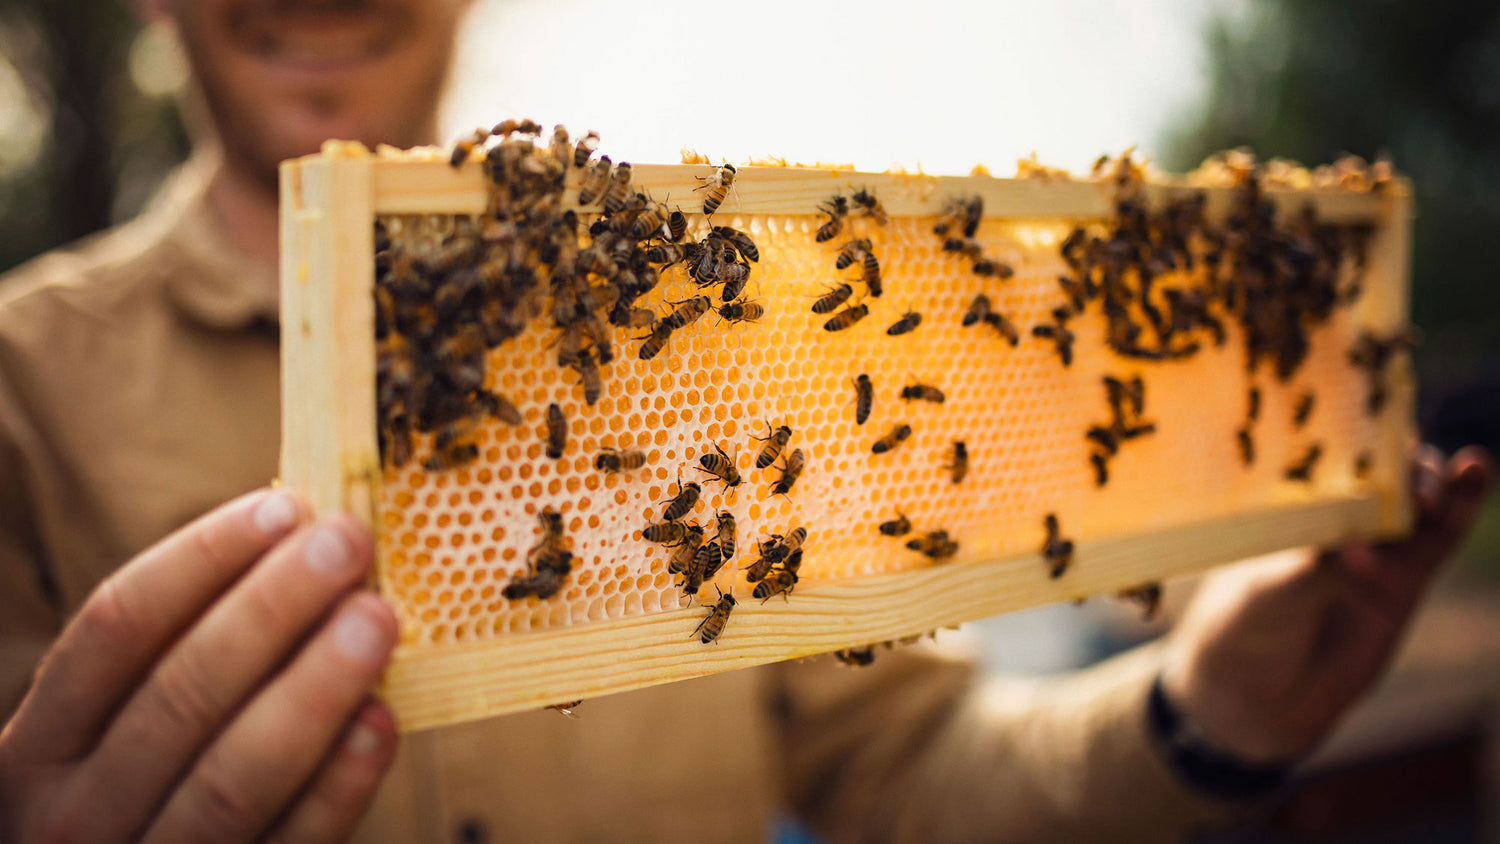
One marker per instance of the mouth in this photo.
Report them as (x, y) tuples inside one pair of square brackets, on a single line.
[(317, 35)]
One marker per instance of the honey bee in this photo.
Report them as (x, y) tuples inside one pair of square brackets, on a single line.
[(706, 563), (656, 340), (1303, 409), (1147, 596), (856, 657), (666, 533), (922, 392), (906, 324), (498, 407), (935, 544), (451, 455), (676, 226), (595, 180), (463, 148), (650, 222), (864, 397), (1101, 468), (523, 127), (1058, 552), (1077, 296), (566, 709), (625, 316), (668, 254), (687, 496), (847, 317), (551, 523), (978, 310), (899, 526), (687, 312), (721, 467), (791, 470), (616, 191), (1246, 444), (544, 583), (775, 440), (866, 203), (557, 431), (712, 626), (994, 267), (739, 240), (792, 542), (852, 251), (832, 299), (772, 551), (611, 460), (777, 582), (1104, 438), (735, 277), (1302, 469), (742, 311), (586, 147), (1059, 334), (717, 186), (687, 550), (1252, 412), (959, 462), (962, 213), (1362, 464), (871, 276), (725, 535), (588, 373), (836, 208), (896, 437), (1005, 328)]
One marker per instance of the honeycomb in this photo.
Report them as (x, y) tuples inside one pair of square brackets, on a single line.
[(451, 539)]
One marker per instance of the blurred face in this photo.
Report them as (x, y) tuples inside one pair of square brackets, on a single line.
[(282, 76)]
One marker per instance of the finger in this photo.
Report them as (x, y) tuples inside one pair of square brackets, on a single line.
[(1427, 480), (342, 790), (250, 774), (207, 675), (135, 614)]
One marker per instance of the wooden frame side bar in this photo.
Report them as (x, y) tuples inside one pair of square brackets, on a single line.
[(431, 687), (328, 450)]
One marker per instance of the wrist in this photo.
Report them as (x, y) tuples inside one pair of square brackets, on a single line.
[(1202, 764)]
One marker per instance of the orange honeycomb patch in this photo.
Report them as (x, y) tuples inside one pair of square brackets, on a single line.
[(452, 539)]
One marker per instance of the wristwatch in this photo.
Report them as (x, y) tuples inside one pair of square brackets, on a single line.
[(1198, 763)]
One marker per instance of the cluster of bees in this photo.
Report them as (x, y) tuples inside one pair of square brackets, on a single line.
[(696, 558), (840, 210), (1127, 401)]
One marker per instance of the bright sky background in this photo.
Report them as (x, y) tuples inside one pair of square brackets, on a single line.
[(943, 84)]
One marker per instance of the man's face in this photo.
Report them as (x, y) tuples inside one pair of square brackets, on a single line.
[(282, 76)]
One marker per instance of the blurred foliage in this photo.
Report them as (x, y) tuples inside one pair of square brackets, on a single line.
[(81, 145), (1418, 80)]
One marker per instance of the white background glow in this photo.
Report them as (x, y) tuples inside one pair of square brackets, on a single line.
[(940, 84)]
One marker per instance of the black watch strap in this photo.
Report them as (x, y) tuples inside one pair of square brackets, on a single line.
[(1199, 764)]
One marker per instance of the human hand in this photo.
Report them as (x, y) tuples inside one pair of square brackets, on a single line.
[(1271, 654), (215, 688)]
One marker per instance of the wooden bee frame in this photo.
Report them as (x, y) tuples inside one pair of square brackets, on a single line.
[(328, 205)]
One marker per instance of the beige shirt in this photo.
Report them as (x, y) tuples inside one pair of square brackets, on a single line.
[(139, 388)]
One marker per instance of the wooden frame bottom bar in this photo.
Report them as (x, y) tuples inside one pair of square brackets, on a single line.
[(429, 688)]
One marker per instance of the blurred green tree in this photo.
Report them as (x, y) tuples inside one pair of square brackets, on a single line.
[(1418, 80), (88, 125)]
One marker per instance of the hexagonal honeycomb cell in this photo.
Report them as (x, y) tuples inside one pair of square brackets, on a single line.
[(450, 540)]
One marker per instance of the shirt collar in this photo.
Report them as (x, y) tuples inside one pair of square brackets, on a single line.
[(211, 281)]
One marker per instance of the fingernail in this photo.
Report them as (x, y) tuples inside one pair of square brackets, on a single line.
[(358, 637), (363, 740), (327, 552), (275, 514)]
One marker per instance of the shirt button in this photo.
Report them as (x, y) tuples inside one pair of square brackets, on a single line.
[(471, 831)]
